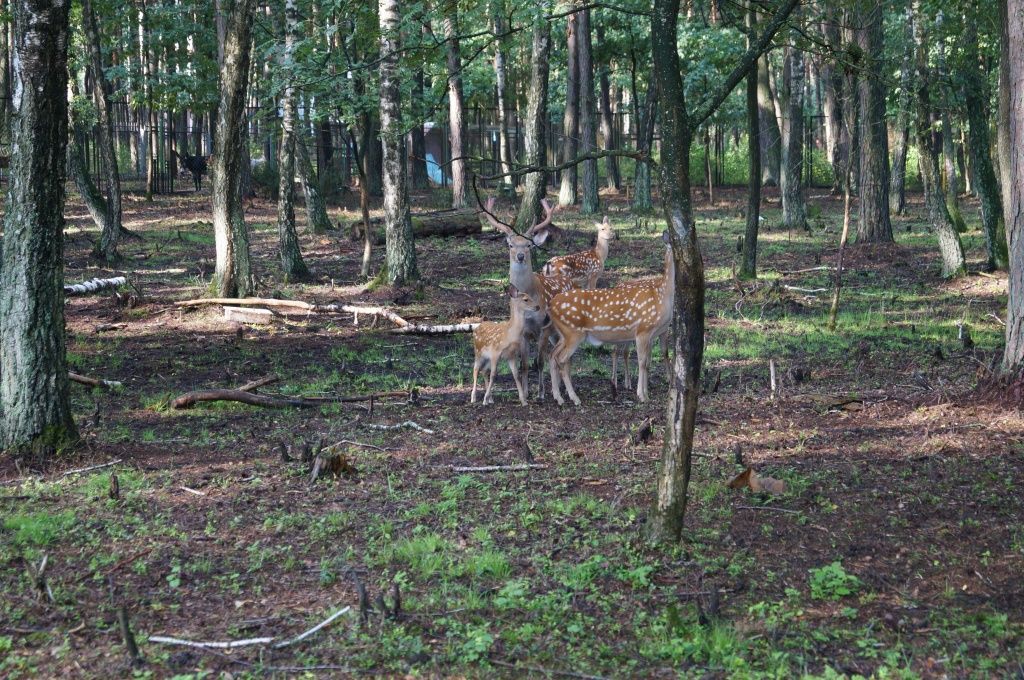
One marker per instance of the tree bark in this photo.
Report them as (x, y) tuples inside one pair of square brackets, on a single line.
[(78, 167), (500, 69), (534, 140), (770, 135), (288, 240), (642, 202), (976, 98), (611, 163), (316, 211), (591, 202), (570, 119), (456, 106), (748, 268), (1013, 204), (949, 239), (832, 109), (794, 213), (400, 247), (419, 177), (106, 249), (35, 413), (234, 277), (946, 130), (874, 224), (1003, 149), (901, 127)]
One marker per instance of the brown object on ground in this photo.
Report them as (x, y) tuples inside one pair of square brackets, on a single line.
[(190, 399), (93, 382), (444, 223), (750, 479), (248, 315)]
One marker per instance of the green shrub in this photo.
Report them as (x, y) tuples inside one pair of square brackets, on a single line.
[(831, 582)]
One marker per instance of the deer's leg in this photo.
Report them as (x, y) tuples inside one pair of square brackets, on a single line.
[(643, 356), (560, 357), (488, 399), (556, 390), (627, 380), (513, 365), (476, 371), (615, 365)]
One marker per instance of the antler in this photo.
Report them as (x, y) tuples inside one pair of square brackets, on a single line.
[(489, 213), (548, 212)]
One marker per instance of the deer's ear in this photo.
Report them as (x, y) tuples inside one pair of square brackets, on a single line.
[(540, 237)]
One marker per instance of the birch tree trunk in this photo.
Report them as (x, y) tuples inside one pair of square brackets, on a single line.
[(234, 277), (456, 106), (35, 413), (946, 130), (399, 244), (316, 211), (570, 118), (288, 240), (500, 77), (534, 141), (832, 109)]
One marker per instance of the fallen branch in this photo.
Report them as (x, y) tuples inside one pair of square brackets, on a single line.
[(93, 382), (320, 626), (351, 442), (259, 302), (231, 644), (767, 507), (822, 268), (425, 329), (121, 564), (190, 399), (805, 290), (399, 426), (94, 285), (500, 468), (91, 468), (258, 383), (375, 311)]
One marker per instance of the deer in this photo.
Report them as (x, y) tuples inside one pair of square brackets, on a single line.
[(585, 267), (637, 313), (197, 165), (624, 347), (497, 340), (540, 287)]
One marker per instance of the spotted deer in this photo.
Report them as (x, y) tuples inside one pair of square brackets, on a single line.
[(638, 313), (497, 340), (585, 267), (624, 348), (540, 287)]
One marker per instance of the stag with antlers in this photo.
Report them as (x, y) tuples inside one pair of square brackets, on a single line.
[(539, 287)]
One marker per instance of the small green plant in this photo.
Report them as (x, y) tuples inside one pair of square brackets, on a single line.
[(831, 582)]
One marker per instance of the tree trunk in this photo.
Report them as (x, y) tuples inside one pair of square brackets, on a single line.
[(570, 119), (642, 202), (400, 247), (748, 268), (234, 277), (794, 214), (770, 135), (79, 169), (976, 98), (832, 109), (419, 177), (874, 225), (5, 77), (591, 202), (288, 240), (901, 127), (534, 139), (504, 148), (949, 240), (106, 249), (35, 413), (946, 130), (1003, 149), (1013, 203), (607, 128), (316, 211), (456, 114)]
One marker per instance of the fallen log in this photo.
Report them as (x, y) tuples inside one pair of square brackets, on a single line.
[(93, 382), (426, 329), (190, 399), (260, 302), (444, 224), (258, 383), (250, 315), (93, 285)]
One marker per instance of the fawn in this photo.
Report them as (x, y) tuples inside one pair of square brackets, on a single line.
[(497, 340), (624, 347), (639, 313), (585, 267), (540, 287)]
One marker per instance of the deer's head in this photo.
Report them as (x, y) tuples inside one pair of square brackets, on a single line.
[(520, 245), (605, 231)]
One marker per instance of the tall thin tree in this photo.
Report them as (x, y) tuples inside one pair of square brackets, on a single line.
[(534, 140), (1013, 202), (794, 212), (570, 116), (591, 202), (456, 105), (288, 239), (874, 223)]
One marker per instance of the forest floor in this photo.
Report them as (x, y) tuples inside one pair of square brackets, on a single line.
[(896, 548)]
